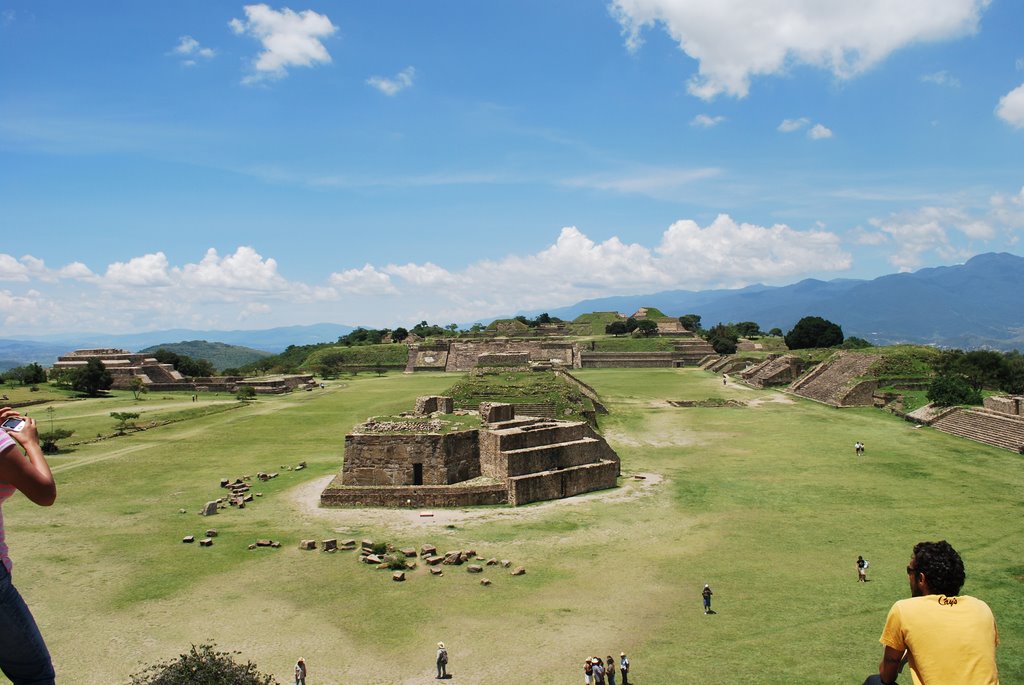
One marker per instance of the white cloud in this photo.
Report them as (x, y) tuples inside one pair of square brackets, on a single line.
[(790, 125), (706, 121), (659, 183), (145, 271), (428, 274), (819, 132), (289, 39), (243, 270), (1011, 107), (188, 48), (736, 40), (365, 281), (931, 230), (393, 86), (942, 78), (11, 269)]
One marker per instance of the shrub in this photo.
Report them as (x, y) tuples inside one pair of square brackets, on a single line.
[(246, 392), (202, 664), (814, 331), (948, 391)]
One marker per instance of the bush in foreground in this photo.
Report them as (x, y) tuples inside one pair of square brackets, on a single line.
[(203, 664)]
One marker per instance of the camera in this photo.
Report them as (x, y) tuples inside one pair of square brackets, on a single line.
[(13, 424)]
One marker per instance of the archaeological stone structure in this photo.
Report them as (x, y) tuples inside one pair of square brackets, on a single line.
[(124, 365), (427, 460)]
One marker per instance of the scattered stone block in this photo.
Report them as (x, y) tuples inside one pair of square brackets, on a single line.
[(247, 498), (209, 510), (206, 542), (301, 466), (373, 559), (211, 532), (348, 543), (518, 571), (367, 544), (275, 544), (492, 562), (182, 511), (252, 546), (428, 550), (189, 538), (330, 545), (307, 544), (434, 560), (224, 482), (410, 565), (264, 543), (426, 513), (505, 563), (485, 581), (408, 551), (434, 571), (398, 576), (475, 568)]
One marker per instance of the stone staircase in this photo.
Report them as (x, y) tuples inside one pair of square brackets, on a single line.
[(690, 351), (834, 380), (776, 370), (983, 425)]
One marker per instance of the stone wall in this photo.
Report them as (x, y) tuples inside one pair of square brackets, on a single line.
[(388, 459), (464, 355), (627, 360), (537, 487), (429, 404), (1005, 404), (414, 496)]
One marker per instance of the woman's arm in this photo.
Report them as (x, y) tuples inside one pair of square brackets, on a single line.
[(31, 475)]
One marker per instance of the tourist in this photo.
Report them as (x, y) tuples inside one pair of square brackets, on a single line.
[(609, 670), (862, 570), (706, 593), (624, 668), (598, 671), (442, 661), (588, 670), (944, 637), (300, 671), (24, 657)]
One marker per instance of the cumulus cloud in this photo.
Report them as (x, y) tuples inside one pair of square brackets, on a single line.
[(244, 270), (145, 271), (393, 86), (289, 39), (931, 230), (365, 281), (791, 125), (1011, 107), (819, 132), (942, 78), (736, 40), (188, 48), (706, 121)]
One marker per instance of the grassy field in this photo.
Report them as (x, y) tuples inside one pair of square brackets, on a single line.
[(765, 502)]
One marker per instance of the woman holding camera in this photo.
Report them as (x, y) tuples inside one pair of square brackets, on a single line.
[(23, 654)]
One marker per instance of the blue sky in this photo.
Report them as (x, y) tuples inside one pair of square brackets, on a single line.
[(211, 164)]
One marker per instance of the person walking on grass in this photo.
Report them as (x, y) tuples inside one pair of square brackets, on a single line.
[(598, 671), (862, 570), (442, 661), (706, 594), (24, 657), (300, 671), (944, 637), (588, 671)]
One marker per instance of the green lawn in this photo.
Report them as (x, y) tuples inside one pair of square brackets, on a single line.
[(765, 502)]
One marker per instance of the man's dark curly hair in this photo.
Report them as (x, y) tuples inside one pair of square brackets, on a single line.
[(941, 565)]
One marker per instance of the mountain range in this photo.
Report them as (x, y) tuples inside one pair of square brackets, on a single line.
[(973, 305), (977, 304)]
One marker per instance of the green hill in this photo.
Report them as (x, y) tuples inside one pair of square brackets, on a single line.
[(221, 355)]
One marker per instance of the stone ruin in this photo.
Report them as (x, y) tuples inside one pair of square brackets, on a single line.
[(509, 459), (124, 365)]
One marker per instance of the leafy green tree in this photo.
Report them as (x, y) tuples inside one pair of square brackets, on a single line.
[(1013, 375), (92, 379), (814, 331), (949, 391), (747, 329), (205, 665), (137, 386), (776, 332), (646, 327), (245, 393), (855, 343), (48, 440), (690, 322), (125, 420), (631, 324), (379, 369), (723, 337), (399, 334), (616, 328)]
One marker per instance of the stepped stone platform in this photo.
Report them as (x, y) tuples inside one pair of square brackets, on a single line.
[(834, 381), (510, 459), (984, 425), (773, 371)]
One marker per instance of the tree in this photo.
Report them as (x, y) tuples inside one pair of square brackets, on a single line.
[(399, 334), (203, 664), (1013, 376), (646, 327), (814, 331), (948, 391), (723, 338), (48, 440), (855, 343), (690, 322), (125, 420), (747, 329), (92, 379), (245, 393), (631, 324), (616, 328), (137, 386), (776, 332), (379, 369)]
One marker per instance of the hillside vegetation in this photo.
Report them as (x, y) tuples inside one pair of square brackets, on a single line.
[(221, 355)]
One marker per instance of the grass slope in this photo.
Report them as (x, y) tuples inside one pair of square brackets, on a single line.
[(766, 502), (221, 355)]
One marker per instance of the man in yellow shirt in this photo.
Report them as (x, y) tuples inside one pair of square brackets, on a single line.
[(946, 638)]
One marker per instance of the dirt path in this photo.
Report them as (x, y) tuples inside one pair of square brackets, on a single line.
[(306, 498)]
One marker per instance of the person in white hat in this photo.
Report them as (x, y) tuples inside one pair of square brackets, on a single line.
[(442, 661)]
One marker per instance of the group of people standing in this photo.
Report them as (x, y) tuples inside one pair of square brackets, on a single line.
[(597, 672), (858, 449)]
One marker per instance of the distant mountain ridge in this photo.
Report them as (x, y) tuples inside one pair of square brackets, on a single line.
[(221, 355), (972, 305)]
